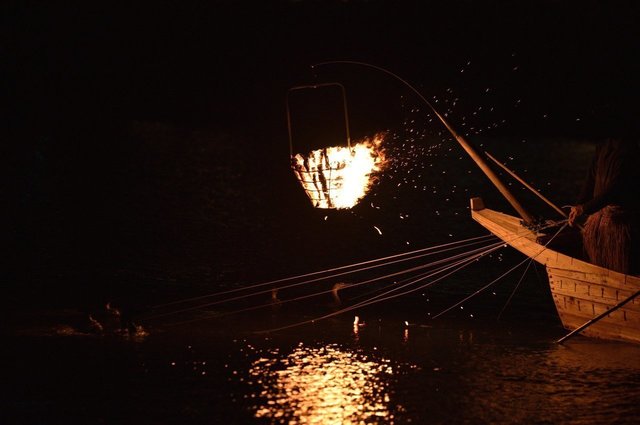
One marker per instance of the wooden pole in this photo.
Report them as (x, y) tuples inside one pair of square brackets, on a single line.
[(527, 185), (479, 160), (528, 219), (531, 188), (597, 318)]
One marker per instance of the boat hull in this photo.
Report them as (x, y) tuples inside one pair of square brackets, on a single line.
[(581, 291)]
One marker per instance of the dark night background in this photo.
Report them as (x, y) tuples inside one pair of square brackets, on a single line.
[(146, 143)]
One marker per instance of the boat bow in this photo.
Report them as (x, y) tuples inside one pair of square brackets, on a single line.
[(581, 290)]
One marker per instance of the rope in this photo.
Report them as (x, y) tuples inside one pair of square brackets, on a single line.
[(462, 260), (286, 279), (410, 270), (244, 296), (501, 276), (521, 279), (462, 263), (515, 289)]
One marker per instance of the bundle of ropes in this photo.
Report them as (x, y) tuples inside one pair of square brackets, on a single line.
[(448, 259)]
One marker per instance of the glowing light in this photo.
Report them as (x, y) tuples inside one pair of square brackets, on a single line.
[(338, 177), (324, 385)]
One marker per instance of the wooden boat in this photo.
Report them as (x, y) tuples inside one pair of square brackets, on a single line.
[(581, 291)]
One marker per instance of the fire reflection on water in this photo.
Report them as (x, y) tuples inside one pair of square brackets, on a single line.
[(325, 385)]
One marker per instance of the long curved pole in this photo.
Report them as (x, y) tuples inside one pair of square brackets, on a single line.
[(531, 188), (527, 185), (479, 160)]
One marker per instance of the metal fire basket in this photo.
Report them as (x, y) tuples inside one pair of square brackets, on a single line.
[(317, 175)]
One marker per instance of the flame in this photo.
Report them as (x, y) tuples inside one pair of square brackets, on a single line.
[(338, 176)]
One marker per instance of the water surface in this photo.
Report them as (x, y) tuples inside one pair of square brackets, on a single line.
[(331, 372)]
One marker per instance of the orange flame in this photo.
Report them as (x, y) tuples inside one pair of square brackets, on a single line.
[(338, 176)]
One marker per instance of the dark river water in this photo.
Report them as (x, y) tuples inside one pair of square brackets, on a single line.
[(330, 372)]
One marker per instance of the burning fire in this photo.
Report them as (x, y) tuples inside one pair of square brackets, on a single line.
[(338, 176)]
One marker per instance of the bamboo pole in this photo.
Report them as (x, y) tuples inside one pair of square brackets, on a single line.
[(528, 219), (527, 185), (479, 160), (531, 188)]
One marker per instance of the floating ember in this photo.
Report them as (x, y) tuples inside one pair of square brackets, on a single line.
[(338, 177)]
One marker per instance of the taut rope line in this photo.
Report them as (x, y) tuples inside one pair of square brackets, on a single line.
[(292, 285), (501, 276), (320, 272), (461, 263), (413, 269)]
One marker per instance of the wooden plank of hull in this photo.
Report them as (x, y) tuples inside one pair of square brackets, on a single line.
[(600, 293), (580, 290), (579, 301), (619, 325)]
